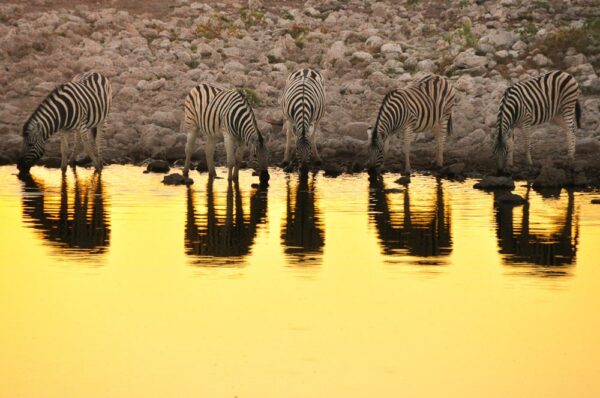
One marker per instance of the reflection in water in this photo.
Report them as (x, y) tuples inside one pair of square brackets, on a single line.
[(211, 236), (422, 230), (302, 233), (78, 223), (529, 245)]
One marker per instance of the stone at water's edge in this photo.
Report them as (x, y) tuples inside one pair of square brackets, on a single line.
[(493, 182), (596, 201), (158, 166), (177, 179), (509, 198), (404, 180)]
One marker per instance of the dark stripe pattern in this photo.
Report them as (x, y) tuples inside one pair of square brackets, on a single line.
[(424, 104), (303, 103), (533, 102), (79, 105)]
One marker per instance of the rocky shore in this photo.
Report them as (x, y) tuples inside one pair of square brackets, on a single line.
[(155, 55)]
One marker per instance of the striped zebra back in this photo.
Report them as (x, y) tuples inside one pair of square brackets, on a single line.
[(303, 99), (196, 104), (82, 103), (424, 102), (535, 101), (229, 110)]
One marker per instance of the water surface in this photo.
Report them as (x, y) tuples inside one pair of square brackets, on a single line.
[(120, 286)]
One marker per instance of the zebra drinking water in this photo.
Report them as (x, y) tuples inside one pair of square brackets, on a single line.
[(214, 112), (549, 97), (303, 103), (424, 104), (80, 106)]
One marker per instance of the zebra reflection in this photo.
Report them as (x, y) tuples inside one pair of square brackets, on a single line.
[(524, 245), (229, 237), (79, 223), (302, 232), (421, 232)]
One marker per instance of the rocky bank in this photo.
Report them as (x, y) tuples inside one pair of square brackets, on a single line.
[(363, 48)]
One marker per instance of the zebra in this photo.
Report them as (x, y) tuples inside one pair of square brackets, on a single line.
[(77, 106), (195, 106), (424, 104), (549, 97), (216, 111), (303, 103)]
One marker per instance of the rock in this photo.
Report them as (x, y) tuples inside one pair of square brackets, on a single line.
[(404, 180), (500, 38), (575, 60), (426, 65), (509, 198), (551, 177), (332, 170), (468, 59), (356, 130), (453, 170), (164, 119), (493, 182), (362, 56), (541, 60), (374, 43), (391, 48), (335, 52), (177, 179), (158, 166), (587, 145), (596, 201)]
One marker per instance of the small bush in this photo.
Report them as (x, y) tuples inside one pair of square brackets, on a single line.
[(253, 99), (216, 27), (252, 17), (465, 34), (585, 40)]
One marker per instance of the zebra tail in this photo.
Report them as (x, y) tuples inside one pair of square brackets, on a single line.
[(500, 145), (94, 131), (578, 114), (449, 126)]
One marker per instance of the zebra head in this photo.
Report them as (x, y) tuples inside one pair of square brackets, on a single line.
[(30, 152), (504, 125), (375, 152), (259, 158), (303, 151)]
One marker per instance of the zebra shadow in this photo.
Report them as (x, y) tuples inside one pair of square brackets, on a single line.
[(541, 250), (302, 233), (77, 224), (216, 239), (421, 229)]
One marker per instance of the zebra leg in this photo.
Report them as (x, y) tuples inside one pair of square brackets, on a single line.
[(406, 148), (73, 150), (510, 146), (569, 120), (288, 143), (99, 142), (190, 147), (440, 139), (527, 135), (89, 148), (209, 151), (313, 144), (239, 156), (230, 150), (64, 148)]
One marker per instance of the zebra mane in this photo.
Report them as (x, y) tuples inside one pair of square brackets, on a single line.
[(34, 114), (377, 121)]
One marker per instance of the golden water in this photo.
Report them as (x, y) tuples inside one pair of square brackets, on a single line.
[(123, 287)]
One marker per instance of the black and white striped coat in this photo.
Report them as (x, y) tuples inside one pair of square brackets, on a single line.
[(195, 107), (303, 103), (80, 106), (549, 97), (425, 104), (227, 113)]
